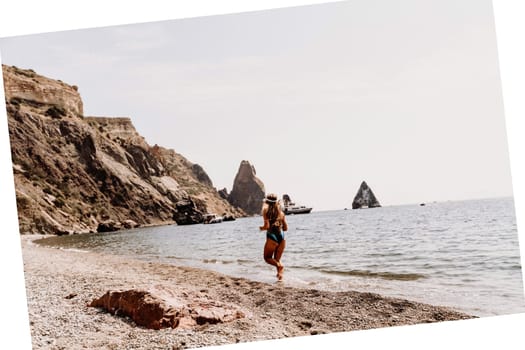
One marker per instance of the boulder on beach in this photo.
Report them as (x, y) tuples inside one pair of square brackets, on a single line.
[(156, 310)]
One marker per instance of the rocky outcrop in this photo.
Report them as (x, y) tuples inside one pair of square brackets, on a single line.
[(55, 97), (156, 311), (286, 200), (201, 175), (76, 174), (248, 191), (194, 180), (365, 198), (187, 212), (224, 193)]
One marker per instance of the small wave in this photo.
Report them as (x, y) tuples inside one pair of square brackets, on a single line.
[(438, 230), (383, 255), (384, 275), (243, 261), (209, 261), (74, 250), (224, 262), (174, 257), (469, 280)]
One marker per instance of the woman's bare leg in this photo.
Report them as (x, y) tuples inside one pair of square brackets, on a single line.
[(279, 250), (277, 256), (269, 251)]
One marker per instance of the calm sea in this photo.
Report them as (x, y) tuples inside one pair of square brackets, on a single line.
[(459, 254)]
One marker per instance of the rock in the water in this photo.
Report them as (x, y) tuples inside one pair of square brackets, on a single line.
[(365, 198), (109, 226), (248, 191), (187, 213), (128, 224), (165, 310), (226, 217)]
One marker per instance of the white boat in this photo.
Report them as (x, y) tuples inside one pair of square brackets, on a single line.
[(290, 207), (293, 208)]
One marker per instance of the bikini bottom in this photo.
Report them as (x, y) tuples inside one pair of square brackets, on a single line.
[(276, 237)]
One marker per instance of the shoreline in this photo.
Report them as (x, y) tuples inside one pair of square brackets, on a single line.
[(61, 283)]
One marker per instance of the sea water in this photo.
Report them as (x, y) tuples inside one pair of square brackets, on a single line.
[(461, 254)]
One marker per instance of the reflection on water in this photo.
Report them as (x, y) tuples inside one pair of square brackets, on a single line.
[(460, 254)]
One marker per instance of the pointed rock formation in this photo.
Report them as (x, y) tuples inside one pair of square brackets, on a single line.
[(248, 191), (365, 198)]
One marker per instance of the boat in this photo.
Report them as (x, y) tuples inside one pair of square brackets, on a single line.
[(212, 219), (290, 208)]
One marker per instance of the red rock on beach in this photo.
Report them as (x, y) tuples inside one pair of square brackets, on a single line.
[(164, 311)]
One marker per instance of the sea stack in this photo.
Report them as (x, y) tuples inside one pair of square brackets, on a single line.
[(365, 198), (248, 191)]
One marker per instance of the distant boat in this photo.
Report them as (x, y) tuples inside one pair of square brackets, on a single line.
[(292, 208)]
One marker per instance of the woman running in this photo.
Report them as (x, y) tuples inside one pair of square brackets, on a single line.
[(275, 225)]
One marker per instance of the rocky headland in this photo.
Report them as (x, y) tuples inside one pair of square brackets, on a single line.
[(76, 174)]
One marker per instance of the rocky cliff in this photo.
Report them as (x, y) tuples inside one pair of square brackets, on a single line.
[(248, 191), (77, 174), (365, 198)]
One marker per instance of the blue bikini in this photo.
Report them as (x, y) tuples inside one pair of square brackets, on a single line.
[(275, 236)]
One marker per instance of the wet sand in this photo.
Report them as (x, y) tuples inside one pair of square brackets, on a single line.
[(61, 283)]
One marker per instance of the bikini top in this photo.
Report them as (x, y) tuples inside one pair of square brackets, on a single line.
[(275, 225)]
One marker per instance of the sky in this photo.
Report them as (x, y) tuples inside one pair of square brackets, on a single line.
[(404, 95)]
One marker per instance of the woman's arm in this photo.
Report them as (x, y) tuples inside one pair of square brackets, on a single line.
[(285, 225), (265, 226), (266, 223)]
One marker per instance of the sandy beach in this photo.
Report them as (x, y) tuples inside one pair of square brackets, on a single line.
[(61, 283)]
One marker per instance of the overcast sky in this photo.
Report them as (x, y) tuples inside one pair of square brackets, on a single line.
[(402, 94)]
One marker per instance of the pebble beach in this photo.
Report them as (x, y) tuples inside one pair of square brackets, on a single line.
[(60, 284)]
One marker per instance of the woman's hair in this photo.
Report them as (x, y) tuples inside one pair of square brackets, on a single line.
[(272, 211)]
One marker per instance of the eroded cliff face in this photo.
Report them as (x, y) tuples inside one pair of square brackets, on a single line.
[(248, 190), (77, 174)]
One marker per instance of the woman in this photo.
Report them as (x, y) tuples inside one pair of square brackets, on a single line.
[(275, 225)]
